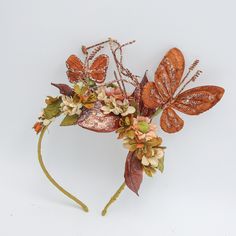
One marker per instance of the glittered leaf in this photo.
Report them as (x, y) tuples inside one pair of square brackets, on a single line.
[(69, 120), (137, 96), (150, 96), (95, 120), (197, 100), (133, 172)]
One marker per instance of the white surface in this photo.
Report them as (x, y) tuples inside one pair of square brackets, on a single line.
[(195, 195)]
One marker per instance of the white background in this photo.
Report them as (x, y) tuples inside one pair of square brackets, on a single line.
[(195, 195)]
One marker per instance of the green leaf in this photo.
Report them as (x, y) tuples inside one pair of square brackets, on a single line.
[(160, 166), (112, 85), (52, 109), (154, 142), (149, 171), (77, 89), (69, 120), (90, 82)]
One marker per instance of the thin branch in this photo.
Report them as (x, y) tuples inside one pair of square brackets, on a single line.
[(124, 71), (118, 81), (98, 44), (117, 66)]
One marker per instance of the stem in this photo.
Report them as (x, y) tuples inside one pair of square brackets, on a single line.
[(157, 112), (98, 44), (84, 207), (117, 67), (118, 80), (113, 198)]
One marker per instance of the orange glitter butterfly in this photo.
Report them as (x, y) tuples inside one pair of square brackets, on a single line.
[(162, 92), (77, 70)]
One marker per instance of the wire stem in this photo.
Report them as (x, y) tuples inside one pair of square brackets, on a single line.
[(84, 207), (113, 198), (97, 44)]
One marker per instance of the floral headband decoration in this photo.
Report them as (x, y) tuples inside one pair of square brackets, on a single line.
[(106, 107)]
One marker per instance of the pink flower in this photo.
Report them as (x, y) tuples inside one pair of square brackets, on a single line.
[(117, 93)]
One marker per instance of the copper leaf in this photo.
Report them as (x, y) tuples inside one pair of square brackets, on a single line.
[(133, 172), (94, 119), (64, 89)]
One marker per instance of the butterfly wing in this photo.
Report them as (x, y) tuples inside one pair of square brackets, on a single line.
[(76, 69), (170, 121), (98, 69), (167, 79), (191, 102), (150, 96), (198, 100), (169, 73)]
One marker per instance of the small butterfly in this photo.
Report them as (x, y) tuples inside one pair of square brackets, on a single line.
[(77, 70), (162, 93)]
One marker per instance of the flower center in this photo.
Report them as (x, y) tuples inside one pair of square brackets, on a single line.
[(143, 127)]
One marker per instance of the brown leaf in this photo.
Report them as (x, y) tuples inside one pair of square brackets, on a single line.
[(137, 96), (64, 89), (150, 97), (133, 172), (197, 100), (94, 120), (169, 73), (170, 121)]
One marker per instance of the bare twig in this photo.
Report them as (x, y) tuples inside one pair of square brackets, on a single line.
[(98, 44)]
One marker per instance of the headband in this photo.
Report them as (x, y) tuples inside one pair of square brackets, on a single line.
[(126, 105)]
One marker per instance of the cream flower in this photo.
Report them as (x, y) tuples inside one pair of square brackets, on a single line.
[(69, 107), (101, 92), (117, 107), (127, 109), (158, 153)]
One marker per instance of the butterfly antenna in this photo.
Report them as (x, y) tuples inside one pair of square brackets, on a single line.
[(190, 69), (196, 75), (94, 52), (193, 79)]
